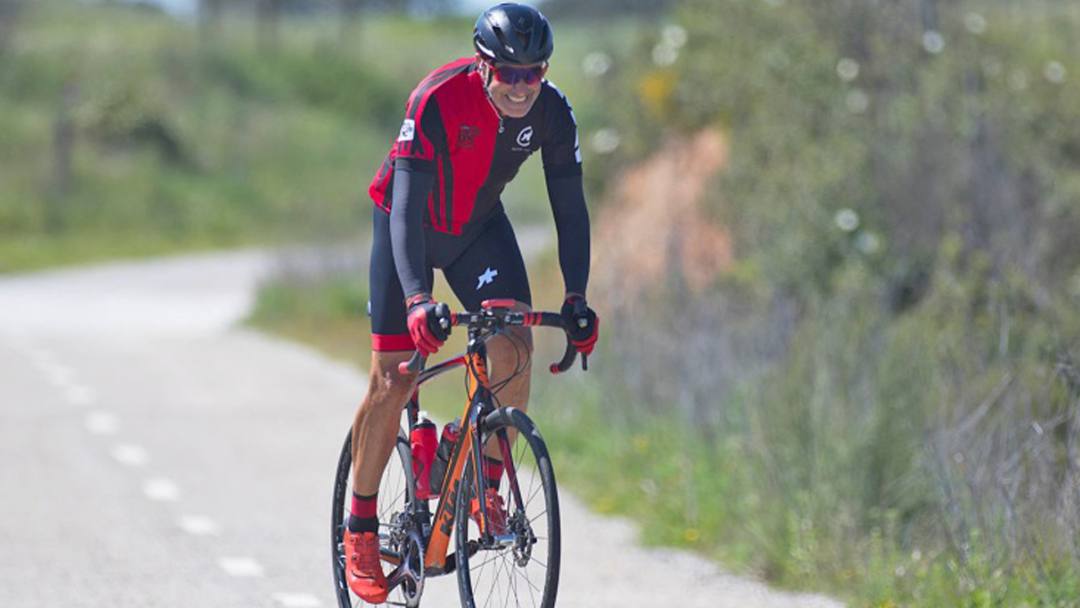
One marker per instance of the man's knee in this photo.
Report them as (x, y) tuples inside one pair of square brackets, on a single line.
[(387, 384)]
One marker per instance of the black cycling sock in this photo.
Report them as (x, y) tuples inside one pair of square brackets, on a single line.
[(364, 515)]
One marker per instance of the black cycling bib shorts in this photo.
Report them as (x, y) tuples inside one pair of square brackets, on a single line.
[(437, 198)]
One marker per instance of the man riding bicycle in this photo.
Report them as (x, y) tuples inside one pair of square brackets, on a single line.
[(469, 125)]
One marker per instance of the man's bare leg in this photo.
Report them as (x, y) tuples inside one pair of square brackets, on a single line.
[(506, 355), (377, 420)]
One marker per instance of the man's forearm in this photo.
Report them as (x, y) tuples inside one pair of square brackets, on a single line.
[(567, 196), (412, 187)]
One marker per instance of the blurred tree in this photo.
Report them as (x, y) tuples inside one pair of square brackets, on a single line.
[(63, 145), (432, 7), (605, 8), (268, 16), (210, 20), (348, 11), (9, 12)]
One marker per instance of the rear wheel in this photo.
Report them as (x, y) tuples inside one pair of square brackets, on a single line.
[(520, 568), (395, 493)]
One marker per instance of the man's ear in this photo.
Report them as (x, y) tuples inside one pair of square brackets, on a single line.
[(484, 67)]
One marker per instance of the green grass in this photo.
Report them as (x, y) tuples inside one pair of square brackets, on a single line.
[(721, 495), (180, 144), (330, 315)]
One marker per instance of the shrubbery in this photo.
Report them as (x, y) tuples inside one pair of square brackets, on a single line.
[(124, 127), (889, 398)]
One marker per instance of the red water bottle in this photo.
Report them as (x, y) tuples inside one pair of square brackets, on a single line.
[(424, 441), (449, 439)]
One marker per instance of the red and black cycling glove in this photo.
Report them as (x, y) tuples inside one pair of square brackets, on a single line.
[(581, 323), (429, 323)]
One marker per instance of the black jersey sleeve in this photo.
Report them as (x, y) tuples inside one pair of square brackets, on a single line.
[(414, 178), (560, 150), (567, 194), (411, 190)]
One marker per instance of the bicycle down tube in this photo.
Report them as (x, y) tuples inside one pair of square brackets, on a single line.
[(435, 556)]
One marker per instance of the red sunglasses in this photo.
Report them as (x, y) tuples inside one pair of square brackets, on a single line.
[(512, 75)]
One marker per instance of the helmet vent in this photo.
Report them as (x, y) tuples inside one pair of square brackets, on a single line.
[(512, 33), (503, 40)]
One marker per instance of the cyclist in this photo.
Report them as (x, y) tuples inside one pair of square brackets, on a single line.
[(468, 127)]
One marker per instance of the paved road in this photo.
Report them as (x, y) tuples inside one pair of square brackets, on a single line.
[(155, 454)]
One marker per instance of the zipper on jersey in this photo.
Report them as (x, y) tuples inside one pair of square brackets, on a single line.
[(494, 108)]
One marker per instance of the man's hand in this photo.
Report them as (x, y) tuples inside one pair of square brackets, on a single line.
[(581, 322), (429, 323)]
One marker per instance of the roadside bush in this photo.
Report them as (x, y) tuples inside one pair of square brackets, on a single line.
[(881, 365)]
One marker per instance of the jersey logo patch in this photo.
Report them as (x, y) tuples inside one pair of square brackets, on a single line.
[(487, 278), (467, 135), (525, 137), (408, 130)]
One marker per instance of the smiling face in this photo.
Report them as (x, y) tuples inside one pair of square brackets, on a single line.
[(512, 100)]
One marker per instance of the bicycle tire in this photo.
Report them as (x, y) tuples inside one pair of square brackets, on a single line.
[(479, 575), (396, 490)]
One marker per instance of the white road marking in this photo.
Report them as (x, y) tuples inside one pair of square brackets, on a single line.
[(59, 375), (199, 525), (101, 423), (240, 566), (297, 600), (80, 395), (161, 489), (42, 358), (18, 337), (131, 455)]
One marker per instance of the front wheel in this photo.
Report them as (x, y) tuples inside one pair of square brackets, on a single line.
[(395, 494), (520, 567)]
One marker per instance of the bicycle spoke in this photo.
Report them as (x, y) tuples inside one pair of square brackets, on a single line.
[(489, 560), (491, 594), (533, 495), (505, 569), (512, 588), (496, 579), (528, 581)]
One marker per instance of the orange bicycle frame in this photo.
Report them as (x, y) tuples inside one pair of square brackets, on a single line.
[(478, 385)]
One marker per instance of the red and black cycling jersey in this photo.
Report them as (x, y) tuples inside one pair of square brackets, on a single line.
[(442, 179), (452, 130)]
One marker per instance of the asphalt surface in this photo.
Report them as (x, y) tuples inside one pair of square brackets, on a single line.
[(156, 454)]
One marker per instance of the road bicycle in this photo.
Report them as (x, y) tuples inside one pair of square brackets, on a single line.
[(519, 565)]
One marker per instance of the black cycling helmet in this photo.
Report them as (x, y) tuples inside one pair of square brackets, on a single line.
[(513, 33)]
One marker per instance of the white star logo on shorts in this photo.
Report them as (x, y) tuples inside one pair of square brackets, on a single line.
[(487, 278)]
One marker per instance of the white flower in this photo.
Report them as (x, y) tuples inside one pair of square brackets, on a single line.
[(857, 101), (975, 23), (674, 35), (847, 220), (933, 41), (1055, 72), (596, 63), (664, 55), (848, 69), (868, 243), (606, 141)]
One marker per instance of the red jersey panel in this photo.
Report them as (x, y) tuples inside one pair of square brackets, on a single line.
[(451, 129)]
